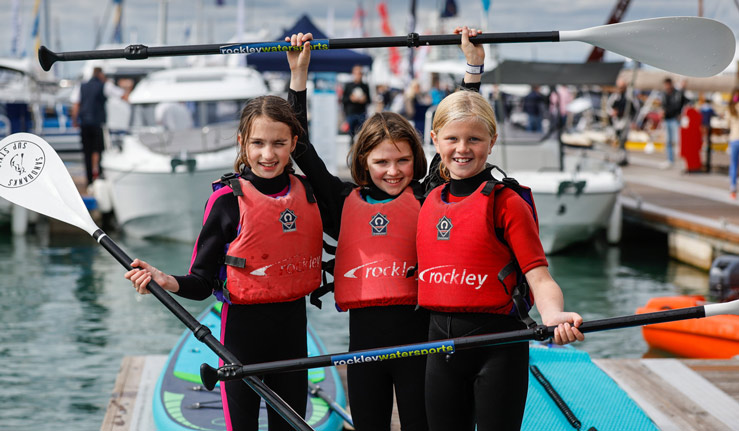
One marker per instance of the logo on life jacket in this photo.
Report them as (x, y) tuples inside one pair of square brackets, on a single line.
[(21, 162), (448, 274), (287, 218), (443, 228), (379, 224)]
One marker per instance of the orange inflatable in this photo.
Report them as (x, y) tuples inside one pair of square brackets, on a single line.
[(715, 337)]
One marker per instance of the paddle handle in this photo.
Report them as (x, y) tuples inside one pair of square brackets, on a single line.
[(203, 334)]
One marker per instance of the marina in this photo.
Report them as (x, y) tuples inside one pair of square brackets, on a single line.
[(629, 237)]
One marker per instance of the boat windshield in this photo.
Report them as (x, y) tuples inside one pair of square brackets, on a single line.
[(185, 115)]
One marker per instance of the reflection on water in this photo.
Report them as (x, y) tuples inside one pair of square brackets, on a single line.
[(67, 316)]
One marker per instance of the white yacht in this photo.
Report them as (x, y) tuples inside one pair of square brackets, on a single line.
[(182, 137), (573, 202)]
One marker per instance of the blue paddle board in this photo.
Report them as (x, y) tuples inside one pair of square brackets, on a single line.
[(181, 403)]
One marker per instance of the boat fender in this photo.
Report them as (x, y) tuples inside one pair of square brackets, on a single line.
[(101, 191)]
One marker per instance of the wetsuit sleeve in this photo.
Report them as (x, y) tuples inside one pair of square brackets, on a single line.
[(220, 226), (330, 190), (520, 230), (470, 86)]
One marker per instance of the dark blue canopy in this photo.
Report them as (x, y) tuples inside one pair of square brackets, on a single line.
[(332, 60)]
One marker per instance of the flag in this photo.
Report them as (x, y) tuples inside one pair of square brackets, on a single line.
[(394, 57), (36, 29), (117, 36), (15, 38), (450, 9), (486, 5), (411, 29), (358, 21)]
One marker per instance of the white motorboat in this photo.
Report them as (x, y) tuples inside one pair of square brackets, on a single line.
[(182, 137), (573, 203)]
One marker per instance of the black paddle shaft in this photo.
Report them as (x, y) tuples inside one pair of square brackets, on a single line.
[(203, 334), (210, 375), (139, 52)]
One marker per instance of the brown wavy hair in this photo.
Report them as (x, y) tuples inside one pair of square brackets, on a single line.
[(276, 109), (381, 126), (463, 105)]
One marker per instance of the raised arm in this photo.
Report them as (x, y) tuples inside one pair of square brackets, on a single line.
[(473, 54), (329, 189)]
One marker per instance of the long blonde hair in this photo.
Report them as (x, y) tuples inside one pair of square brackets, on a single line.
[(463, 105)]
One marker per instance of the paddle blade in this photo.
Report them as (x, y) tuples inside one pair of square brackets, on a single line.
[(33, 176), (690, 46)]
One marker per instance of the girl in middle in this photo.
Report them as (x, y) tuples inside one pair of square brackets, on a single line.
[(375, 220)]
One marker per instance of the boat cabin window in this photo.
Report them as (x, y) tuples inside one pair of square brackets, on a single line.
[(183, 115)]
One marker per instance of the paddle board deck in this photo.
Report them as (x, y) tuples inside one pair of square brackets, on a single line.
[(592, 396), (181, 403)]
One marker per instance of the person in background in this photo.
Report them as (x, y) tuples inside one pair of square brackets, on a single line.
[(673, 101), (259, 251), (374, 222), (621, 109), (534, 105), (707, 112), (733, 118), (355, 100), (89, 113), (486, 229), (417, 102)]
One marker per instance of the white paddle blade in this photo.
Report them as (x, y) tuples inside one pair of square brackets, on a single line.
[(33, 176), (722, 308), (690, 46)]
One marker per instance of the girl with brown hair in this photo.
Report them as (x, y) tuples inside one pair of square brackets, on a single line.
[(374, 222), (259, 251)]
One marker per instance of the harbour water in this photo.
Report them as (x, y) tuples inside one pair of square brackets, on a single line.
[(68, 317)]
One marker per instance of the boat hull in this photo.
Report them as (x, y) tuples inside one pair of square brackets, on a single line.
[(572, 207), (152, 199), (715, 337)]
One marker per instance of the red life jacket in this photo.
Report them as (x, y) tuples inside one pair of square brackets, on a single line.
[(276, 256), (375, 252), (463, 266)]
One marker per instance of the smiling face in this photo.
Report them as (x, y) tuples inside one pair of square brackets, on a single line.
[(464, 146), (390, 166), (268, 147)]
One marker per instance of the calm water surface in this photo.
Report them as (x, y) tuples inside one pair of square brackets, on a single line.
[(67, 316)]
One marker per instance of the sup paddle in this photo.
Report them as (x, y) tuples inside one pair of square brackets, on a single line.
[(691, 46), (33, 176), (210, 375), (317, 391)]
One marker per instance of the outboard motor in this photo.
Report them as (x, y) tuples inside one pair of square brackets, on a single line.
[(723, 278)]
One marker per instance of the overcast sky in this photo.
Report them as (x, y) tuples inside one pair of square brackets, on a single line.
[(75, 23)]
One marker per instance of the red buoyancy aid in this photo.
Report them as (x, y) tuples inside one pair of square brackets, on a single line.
[(460, 257), (375, 251), (276, 256)]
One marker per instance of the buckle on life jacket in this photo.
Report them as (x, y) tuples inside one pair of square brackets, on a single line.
[(325, 287)]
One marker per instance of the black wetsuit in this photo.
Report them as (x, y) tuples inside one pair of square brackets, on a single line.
[(371, 385), (254, 333), (486, 386)]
